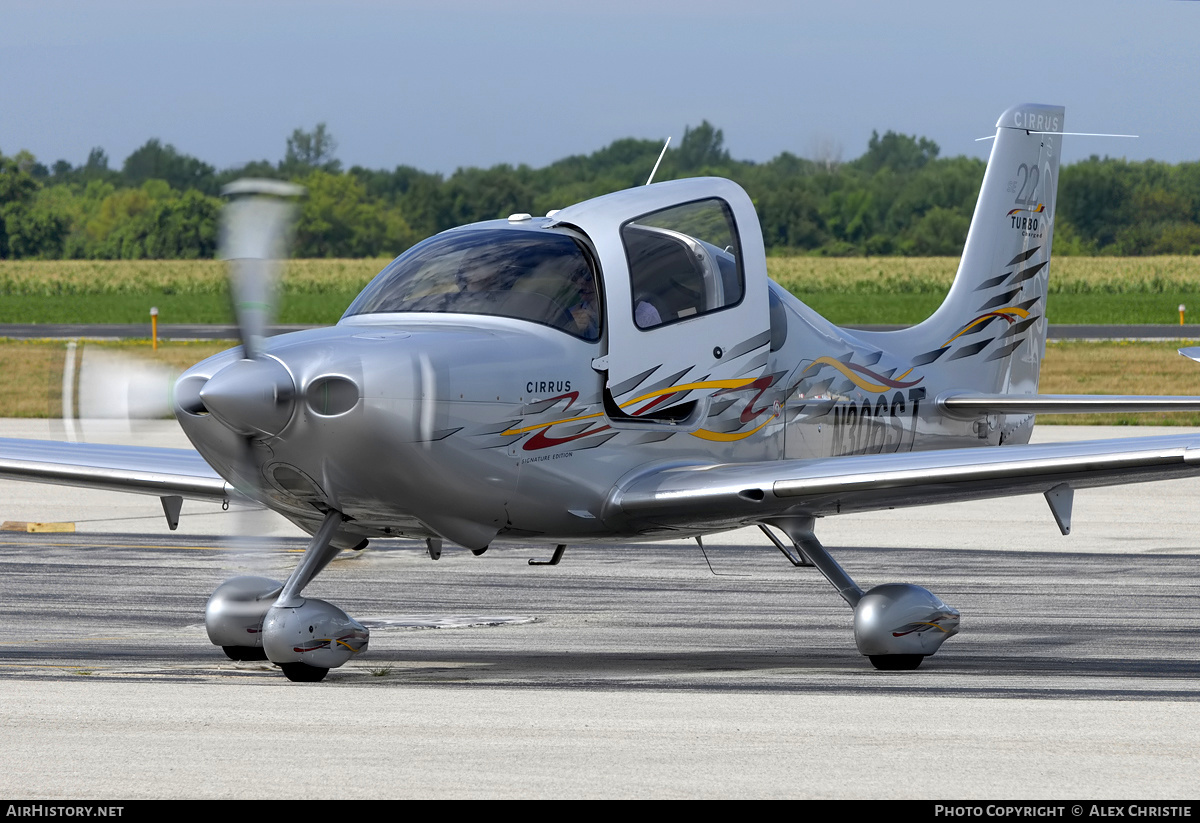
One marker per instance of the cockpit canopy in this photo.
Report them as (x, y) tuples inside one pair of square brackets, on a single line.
[(545, 277), (682, 261)]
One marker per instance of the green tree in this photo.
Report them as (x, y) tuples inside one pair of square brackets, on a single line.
[(154, 161), (790, 217), (336, 220), (183, 227), (486, 194), (1094, 197), (940, 233), (17, 187), (310, 150), (35, 231), (851, 217), (702, 147), (418, 196), (255, 168), (897, 152), (96, 166)]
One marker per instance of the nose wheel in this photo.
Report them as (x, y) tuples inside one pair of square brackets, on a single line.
[(244, 653)]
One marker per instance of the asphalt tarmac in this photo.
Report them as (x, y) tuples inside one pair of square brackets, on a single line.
[(626, 671)]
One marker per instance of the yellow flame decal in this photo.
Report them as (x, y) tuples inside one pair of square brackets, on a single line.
[(682, 387), (555, 423), (855, 378), (1011, 310), (723, 437)]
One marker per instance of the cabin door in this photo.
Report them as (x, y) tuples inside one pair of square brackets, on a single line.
[(685, 293)]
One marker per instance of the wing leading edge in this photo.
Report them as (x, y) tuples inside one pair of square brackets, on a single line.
[(731, 495), (137, 469)]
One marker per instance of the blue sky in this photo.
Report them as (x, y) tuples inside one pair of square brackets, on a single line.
[(439, 85)]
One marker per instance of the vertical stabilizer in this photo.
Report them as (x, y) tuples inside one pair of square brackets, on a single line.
[(989, 334)]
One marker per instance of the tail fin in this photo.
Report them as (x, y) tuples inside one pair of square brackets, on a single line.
[(989, 334)]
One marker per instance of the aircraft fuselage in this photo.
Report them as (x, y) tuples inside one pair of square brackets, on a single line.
[(473, 427)]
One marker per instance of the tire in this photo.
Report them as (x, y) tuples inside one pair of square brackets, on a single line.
[(896, 662), (241, 653), (303, 673)]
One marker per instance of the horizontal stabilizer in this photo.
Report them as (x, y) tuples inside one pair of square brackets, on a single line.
[(966, 405)]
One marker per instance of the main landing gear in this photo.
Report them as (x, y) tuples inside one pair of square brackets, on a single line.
[(896, 625), (256, 618)]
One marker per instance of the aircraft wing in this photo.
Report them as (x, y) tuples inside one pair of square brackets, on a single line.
[(730, 495), (143, 470)]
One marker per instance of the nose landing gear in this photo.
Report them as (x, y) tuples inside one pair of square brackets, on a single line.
[(257, 618)]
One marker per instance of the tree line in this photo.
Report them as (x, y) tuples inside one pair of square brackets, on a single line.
[(898, 198)]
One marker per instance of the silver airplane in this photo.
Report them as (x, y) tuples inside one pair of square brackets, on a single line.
[(621, 369)]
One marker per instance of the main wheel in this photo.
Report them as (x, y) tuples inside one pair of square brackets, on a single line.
[(303, 673), (896, 662), (244, 652)]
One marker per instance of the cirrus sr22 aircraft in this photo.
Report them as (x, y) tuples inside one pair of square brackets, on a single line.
[(620, 369)]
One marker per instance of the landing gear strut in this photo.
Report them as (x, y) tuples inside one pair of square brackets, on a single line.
[(896, 625)]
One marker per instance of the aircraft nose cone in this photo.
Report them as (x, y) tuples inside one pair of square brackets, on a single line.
[(251, 397)]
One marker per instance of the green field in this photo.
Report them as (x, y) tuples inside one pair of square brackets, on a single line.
[(31, 374), (316, 309), (847, 290), (183, 291), (1113, 290), (1114, 309)]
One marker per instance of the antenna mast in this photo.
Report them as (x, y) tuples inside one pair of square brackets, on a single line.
[(660, 157)]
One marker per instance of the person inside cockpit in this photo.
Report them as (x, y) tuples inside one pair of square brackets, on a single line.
[(645, 315), (585, 311)]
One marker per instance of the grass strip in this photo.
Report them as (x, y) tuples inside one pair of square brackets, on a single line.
[(847, 290), (31, 374)]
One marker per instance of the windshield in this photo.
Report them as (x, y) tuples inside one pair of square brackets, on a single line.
[(542, 277)]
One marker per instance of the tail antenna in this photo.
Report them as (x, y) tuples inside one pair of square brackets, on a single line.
[(654, 170)]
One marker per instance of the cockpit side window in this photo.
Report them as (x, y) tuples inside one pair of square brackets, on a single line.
[(543, 277), (683, 261)]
